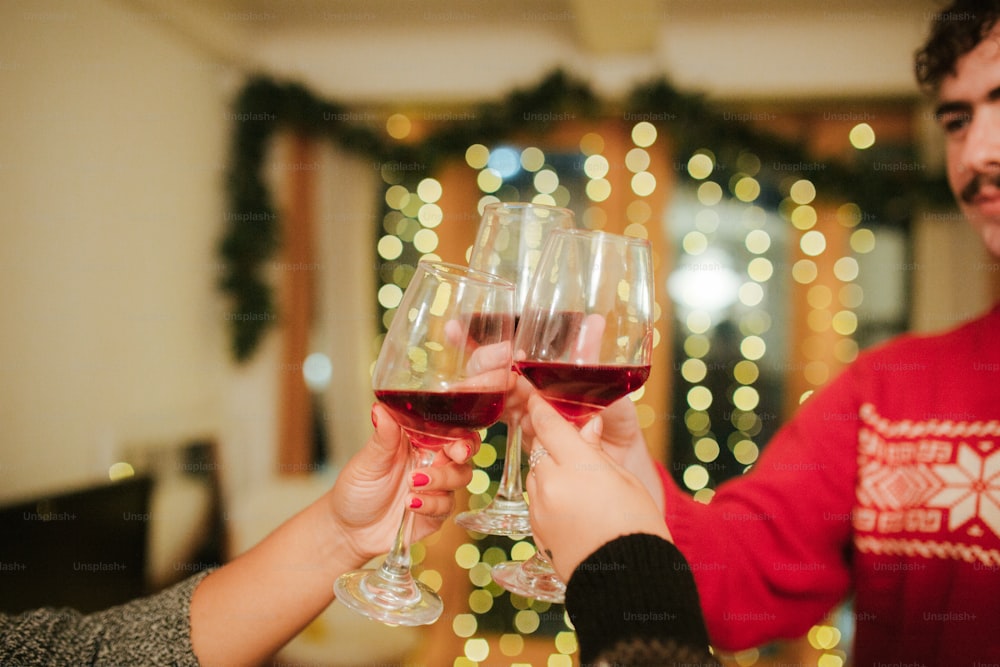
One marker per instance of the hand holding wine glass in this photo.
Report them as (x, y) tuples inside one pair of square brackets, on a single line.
[(442, 372), (584, 340), (574, 524)]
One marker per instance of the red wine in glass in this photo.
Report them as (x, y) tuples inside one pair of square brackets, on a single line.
[(485, 327), (580, 391), (433, 419)]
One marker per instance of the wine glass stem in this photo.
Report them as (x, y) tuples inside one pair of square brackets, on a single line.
[(397, 562), (510, 481)]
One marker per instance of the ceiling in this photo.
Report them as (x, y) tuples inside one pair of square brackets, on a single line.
[(379, 50), (598, 26)]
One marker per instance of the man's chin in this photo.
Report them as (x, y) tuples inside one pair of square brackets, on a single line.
[(989, 232)]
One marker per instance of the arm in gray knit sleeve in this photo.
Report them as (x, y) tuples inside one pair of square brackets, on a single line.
[(634, 602), (150, 631)]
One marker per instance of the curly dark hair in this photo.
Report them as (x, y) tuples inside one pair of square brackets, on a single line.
[(955, 30)]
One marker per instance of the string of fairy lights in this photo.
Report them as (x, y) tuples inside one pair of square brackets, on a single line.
[(826, 271)]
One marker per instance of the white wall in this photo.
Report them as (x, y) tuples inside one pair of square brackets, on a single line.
[(112, 146)]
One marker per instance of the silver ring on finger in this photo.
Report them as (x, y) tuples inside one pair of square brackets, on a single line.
[(537, 454)]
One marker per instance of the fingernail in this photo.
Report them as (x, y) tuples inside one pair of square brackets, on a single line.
[(420, 479), (374, 417), (415, 503), (468, 451)]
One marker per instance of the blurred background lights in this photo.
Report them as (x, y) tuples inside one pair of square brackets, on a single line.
[(695, 477), (429, 190), (643, 184), (813, 243), (698, 321), (426, 241), (317, 370), (753, 347), (804, 217), (389, 247), (802, 191), (644, 134), (705, 283), (477, 155), (477, 650), (511, 644), (706, 449), (398, 126), (596, 166), (694, 370), (751, 294), (699, 398), (397, 196), (598, 189), (846, 269), (745, 452), (804, 271), (546, 181), (120, 470), (760, 269), (389, 296), (526, 621), (863, 241), (757, 241), (591, 143), (430, 215), (862, 136), (532, 159), (637, 160), (489, 180), (747, 189), (694, 243), (710, 193), (505, 160), (700, 166)]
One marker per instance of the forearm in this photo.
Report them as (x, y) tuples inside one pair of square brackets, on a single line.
[(242, 613)]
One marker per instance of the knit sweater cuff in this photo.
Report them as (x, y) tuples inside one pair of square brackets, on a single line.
[(636, 587)]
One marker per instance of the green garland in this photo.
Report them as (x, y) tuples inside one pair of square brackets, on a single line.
[(253, 228)]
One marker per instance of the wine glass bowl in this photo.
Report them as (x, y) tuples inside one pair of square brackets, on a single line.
[(509, 243), (442, 371), (585, 337)]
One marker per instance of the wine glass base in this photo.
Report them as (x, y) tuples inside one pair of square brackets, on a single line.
[(403, 602), (530, 581), (500, 517)]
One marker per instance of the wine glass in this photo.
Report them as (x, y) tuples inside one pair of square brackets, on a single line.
[(442, 371), (508, 244), (584, 340)]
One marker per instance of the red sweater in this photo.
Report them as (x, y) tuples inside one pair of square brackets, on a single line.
[(886, 486)]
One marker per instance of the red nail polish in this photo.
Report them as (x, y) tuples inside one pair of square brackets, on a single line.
[(374, 418), (420, 479), (415, 503)]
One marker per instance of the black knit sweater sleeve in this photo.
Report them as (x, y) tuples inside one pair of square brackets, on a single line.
[(634, 602), (150, 631)]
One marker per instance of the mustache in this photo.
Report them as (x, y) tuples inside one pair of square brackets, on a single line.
[(972, 188)]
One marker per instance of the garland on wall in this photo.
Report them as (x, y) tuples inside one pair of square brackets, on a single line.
[(253, 228)]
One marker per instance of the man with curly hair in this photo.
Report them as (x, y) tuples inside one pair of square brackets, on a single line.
[(885, 485)]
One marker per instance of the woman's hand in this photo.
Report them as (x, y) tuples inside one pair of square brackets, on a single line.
[(581, 498), (376, 485), (621, 437)]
